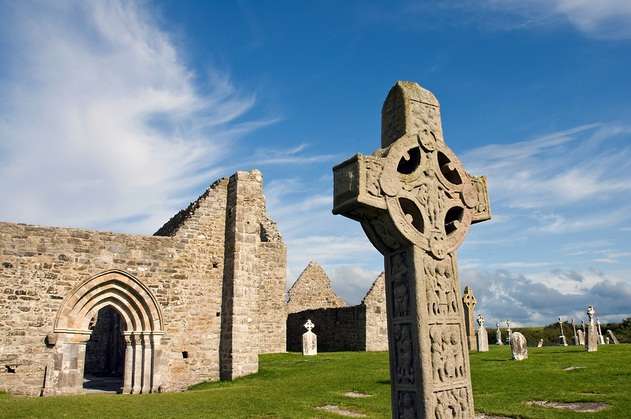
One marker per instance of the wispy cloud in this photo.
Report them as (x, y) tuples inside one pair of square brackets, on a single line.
[(605, 19), (100, 110), (291, 155)]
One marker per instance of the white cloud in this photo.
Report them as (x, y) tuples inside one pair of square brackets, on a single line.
[(102, 122), (607, 19), (352, 282)]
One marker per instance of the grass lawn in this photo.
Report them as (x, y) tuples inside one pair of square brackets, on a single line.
[(291, 386)]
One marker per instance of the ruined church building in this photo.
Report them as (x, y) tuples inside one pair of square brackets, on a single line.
[(199, 300)]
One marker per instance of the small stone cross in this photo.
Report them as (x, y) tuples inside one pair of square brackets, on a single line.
[(480, 320), (416, 203), (309, 325)]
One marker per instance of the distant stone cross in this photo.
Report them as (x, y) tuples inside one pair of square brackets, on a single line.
[(416, 202), (469, 301), (309, 325)]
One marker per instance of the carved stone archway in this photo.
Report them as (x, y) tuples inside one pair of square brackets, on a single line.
[(143, 330)]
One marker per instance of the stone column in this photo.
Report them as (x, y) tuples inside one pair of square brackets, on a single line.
[(415, 203), (138, 363), (601, 338), (128, 372), (147, 361), (483, 338)]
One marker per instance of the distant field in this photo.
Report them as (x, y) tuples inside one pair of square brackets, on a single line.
[(292, 386)]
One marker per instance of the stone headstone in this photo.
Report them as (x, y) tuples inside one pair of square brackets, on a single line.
[(607, 340), (613, 337), (309, 340), (416, 202), (540, 344), (591, 336), (581, 337), (469, 301), (575, 339), (508, 332), (519, 346), (483, 338), (498, 335)]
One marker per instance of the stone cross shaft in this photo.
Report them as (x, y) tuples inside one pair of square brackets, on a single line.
[(415, 203)]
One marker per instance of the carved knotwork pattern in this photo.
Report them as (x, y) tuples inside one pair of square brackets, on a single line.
[(452, 404), (448, 363), (429, 196)]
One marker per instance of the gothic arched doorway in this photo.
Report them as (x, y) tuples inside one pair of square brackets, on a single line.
[(124, 300), (105, 352)]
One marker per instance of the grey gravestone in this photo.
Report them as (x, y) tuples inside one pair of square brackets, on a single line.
[(508, 332), (540, 344), (415, 203), (591, 337), (575, 337), (309, 340), (483, 338), (581, 337), (613, 337), (519, 346), (498, 335)]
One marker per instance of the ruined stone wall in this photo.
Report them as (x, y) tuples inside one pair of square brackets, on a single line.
[(272, 262), (184, 265), (312, 290), (376, 316), (356, 328), (338, 329)]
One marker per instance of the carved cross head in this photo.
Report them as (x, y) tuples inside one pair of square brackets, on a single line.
[(469, 299), (480, 320), (590, 313), (413, 189), (309, 325)]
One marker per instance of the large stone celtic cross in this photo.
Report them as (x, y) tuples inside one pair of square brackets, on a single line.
[(416, 202)]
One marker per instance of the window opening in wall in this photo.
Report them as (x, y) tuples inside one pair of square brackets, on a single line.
[(185, 354)]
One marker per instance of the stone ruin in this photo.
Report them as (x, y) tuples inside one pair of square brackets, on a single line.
[(361, 327), (197, 301), (415, 203)]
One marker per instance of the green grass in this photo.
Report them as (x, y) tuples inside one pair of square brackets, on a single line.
[(290, 386)]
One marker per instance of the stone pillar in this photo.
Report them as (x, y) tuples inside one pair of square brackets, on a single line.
[(601, 337), (138, 363), (562, 340), (575, 338), (509, 332), (469, 301), (65, 372), (147, 362), (239, 320), (128, 372), (591, 337), (415, 203)]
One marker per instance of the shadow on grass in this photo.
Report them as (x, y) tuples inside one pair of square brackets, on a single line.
[(383, 382)]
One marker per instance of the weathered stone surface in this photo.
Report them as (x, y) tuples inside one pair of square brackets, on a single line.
[(309, 340), (483, 338), (519, 346), (170, 286), (540, 343), (312, 290), (591, 334), (416, 202), (562, 339)]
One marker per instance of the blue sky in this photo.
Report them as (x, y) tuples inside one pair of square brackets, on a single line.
[(114, 115)]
